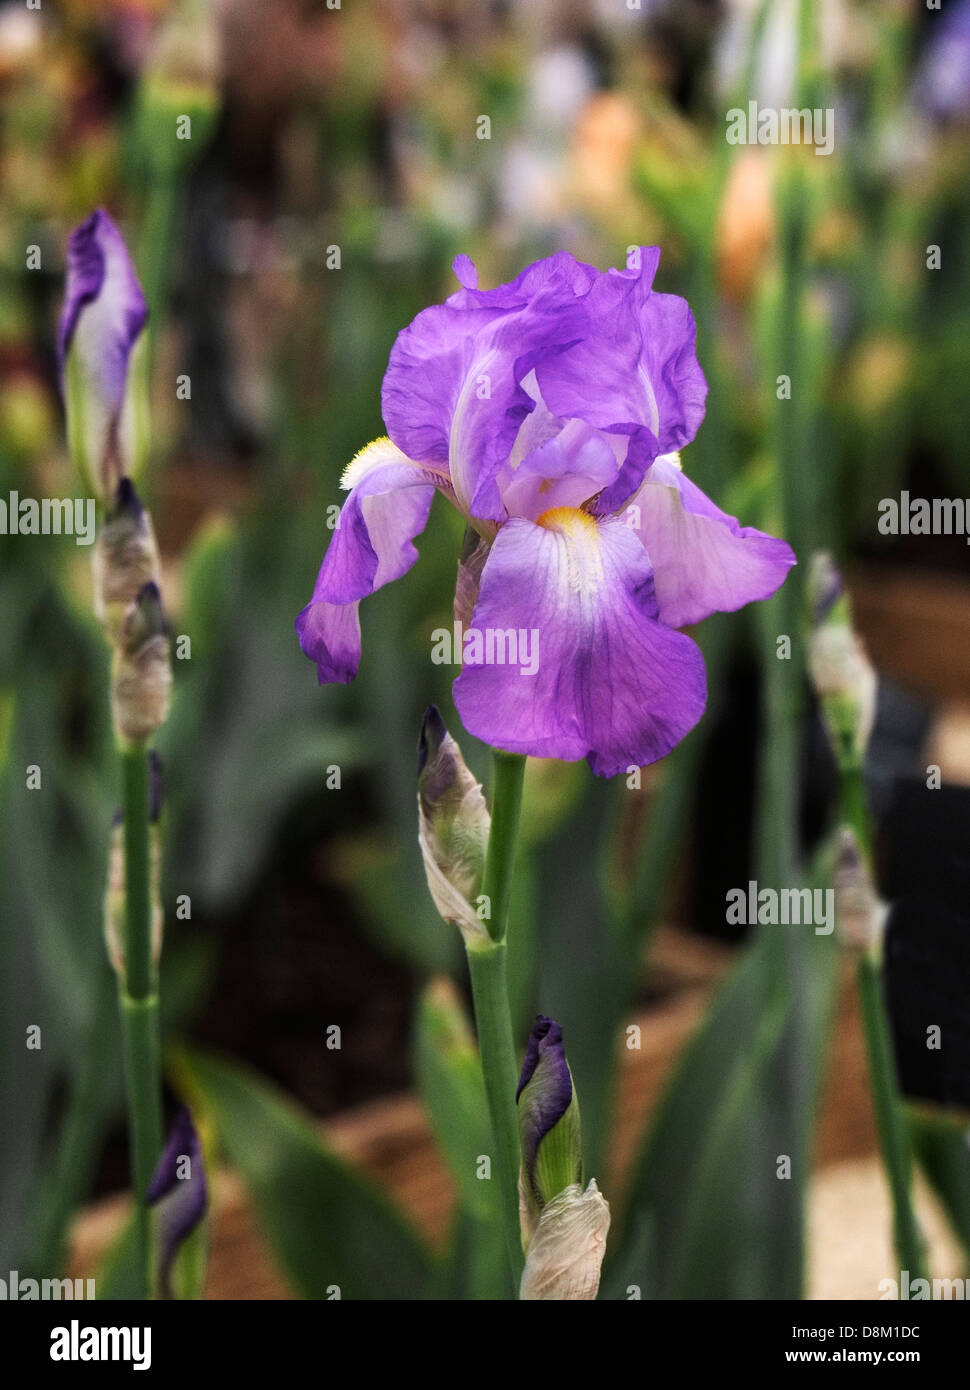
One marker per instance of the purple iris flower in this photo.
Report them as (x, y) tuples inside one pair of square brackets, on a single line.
[(103, 315), (179, 1188), (550, 411)]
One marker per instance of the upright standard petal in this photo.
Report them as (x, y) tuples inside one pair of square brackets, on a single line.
[(634, 367), (390, 497), (704, 561), (104, 313), (180, 1191), (609, 682), (453, 388)]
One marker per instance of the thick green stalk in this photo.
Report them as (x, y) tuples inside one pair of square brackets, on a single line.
[(155, 244), (887, 1100), (496, 1046), (486, 966), (853, 810), (139, 1002), (139, 968), (509, 770), (891, 1119)]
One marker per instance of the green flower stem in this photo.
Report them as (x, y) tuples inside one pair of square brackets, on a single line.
[(139, 967), (853, 810), (487, 969), (157, 239), (509, 770), (486, 966), (887, 1101), (139, 1003), (890, 1116)]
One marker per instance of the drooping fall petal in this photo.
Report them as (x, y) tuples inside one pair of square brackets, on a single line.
[(704, 561), (390, 497), (612, 683)]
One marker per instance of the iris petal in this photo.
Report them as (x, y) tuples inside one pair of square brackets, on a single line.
[(704, 561), (613, 684), (453, 388), (373, 544), (635, 364)]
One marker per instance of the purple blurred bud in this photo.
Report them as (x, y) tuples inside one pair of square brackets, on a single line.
[(179, 1190)]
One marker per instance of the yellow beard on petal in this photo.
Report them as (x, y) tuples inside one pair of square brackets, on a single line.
[(378, 452), (569, 521), (581, 544)]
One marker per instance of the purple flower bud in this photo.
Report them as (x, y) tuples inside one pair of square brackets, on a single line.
[(103, 316), (179, 1190), (548, 1123), (825, 585)]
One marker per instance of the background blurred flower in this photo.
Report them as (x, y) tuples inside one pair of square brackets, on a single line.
[(942, 85), (746, 225)]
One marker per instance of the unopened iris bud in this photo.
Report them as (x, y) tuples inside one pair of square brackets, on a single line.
[(566, 1253), (860, 913), (100, 331), (549, 1126), (125, 558), (179, 1190), (844, 679), (825, 586), (563, 1228), (453, 823), (142, 673)]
